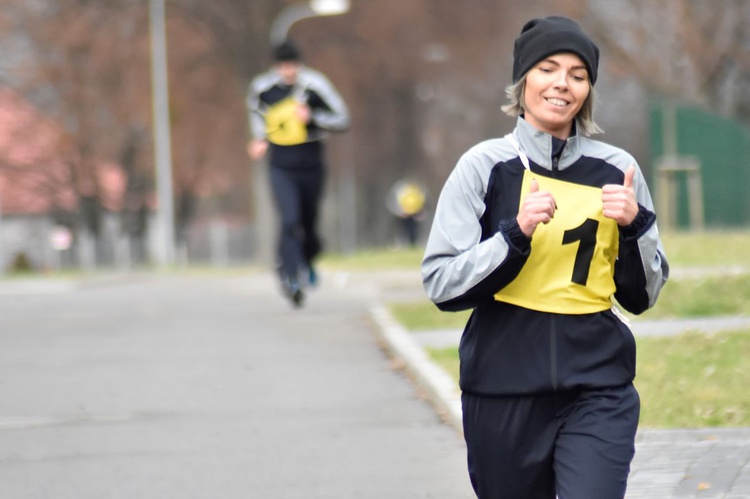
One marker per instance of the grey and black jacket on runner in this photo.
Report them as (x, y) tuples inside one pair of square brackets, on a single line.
[(542, 317), (293, 144)]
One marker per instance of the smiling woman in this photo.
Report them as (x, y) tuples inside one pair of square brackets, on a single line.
[(537, 233)]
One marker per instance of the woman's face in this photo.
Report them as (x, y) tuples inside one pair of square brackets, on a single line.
[(555, 91)]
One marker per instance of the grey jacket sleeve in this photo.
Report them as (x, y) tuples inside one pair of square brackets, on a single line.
[(336, 117), (456, 260), (644, 235), (255, 110)]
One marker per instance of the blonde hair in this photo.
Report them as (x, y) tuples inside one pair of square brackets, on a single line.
[(584, 119)]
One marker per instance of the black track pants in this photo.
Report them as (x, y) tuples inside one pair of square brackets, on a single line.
[(576, 445), (297, 193)]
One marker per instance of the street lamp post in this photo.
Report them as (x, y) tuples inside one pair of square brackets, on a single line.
[(162, 145), (313, 8)]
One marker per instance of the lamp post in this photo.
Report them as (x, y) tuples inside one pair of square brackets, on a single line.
[(162, 146), (313, 8)]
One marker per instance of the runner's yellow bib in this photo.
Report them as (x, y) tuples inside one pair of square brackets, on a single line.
[(282, 125), (572, 263)]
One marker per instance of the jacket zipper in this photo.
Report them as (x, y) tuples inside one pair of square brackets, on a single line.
[(553, 331), (553, 355)]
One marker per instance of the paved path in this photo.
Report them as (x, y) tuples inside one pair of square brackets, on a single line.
[(160, 387)]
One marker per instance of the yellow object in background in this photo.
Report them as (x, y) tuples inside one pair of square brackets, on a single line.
[(410, 199)]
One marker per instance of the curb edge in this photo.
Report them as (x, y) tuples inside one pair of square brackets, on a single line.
[(442, 390)]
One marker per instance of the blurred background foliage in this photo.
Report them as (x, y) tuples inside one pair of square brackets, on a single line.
[(424, 80)]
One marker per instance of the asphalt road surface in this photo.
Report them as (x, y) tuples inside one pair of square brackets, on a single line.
[(146, 386)]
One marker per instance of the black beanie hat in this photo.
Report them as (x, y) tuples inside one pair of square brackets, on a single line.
[(286, 51), (544, 37)]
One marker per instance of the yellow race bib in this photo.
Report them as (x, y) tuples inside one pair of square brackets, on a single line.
[(572, 263), (282, 125)]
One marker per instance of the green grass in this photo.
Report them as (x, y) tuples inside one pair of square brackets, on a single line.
[(375, 259), (424, 315), (687, 297), (711, 296), (709, 248), (689, 381), (694, 380), (447, 358), (695, 249)]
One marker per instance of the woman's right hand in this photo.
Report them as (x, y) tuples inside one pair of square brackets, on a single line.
[(537, 207)]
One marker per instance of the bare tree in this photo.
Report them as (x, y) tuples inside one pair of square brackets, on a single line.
[(72, 70), (86, 65), (695, 51), (424, 80), (33, 176)]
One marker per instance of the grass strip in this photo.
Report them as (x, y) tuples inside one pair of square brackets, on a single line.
[(694, 380), (711, 296), (707, 248)]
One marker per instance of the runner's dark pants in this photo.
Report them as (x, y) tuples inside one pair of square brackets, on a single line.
[(577, 445), (297, 193)]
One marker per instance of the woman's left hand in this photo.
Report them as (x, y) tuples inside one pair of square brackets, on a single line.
[(619, 202)]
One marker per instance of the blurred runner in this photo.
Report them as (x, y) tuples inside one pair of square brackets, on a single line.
[(290, 109), (406, 200)]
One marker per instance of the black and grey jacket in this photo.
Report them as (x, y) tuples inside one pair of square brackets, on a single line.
[(329, 112), (476, 249)]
